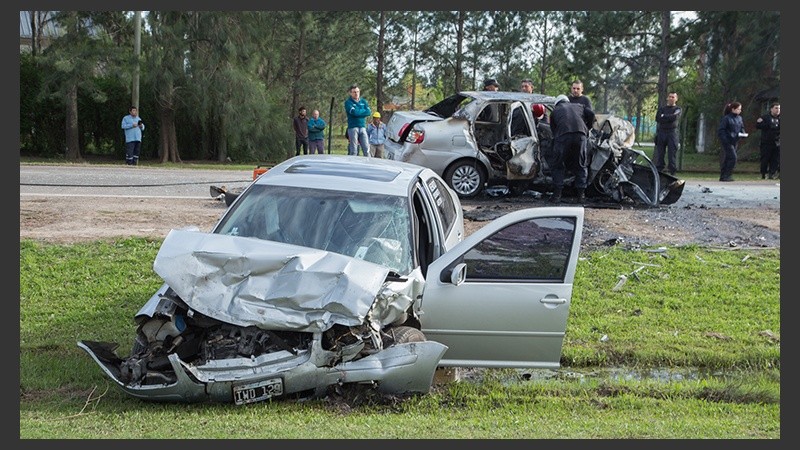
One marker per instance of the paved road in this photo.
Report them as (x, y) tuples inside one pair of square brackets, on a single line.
[(140, 181), (124, 180)]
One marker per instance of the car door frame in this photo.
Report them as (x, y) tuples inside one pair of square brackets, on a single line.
[(508, 322)]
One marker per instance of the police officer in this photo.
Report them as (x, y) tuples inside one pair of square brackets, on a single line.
[(667, 117)]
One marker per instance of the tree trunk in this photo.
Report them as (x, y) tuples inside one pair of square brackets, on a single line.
[(663, 60), (167, 139), (73, 152), (222, 141), (34, 28), (380, 56), (462, 17), (297, 71)]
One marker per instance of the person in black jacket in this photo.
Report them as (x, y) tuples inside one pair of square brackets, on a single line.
[(576, 95), (570, 124), (667, 118), (770, 126), (730, 130)]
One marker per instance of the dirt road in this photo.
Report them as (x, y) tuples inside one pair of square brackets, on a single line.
[(64, 204)]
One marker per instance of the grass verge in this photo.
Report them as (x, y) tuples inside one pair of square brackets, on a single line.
[(715, 313)]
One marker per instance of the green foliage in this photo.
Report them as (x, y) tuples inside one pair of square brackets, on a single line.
[(697, 305), (229, 82), (41, 119)]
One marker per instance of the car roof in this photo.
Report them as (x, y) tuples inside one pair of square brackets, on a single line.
[(344, 173), (510, 95)]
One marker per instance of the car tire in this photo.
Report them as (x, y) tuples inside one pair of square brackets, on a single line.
[(466, 178), (404, 334)]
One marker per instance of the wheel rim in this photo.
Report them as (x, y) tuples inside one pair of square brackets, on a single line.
[(466, 179)]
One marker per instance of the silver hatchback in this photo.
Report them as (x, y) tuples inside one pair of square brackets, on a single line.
[(476, 139), (471, 138), (342, 270)]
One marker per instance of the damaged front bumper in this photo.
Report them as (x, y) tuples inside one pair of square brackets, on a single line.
[(402, 368)]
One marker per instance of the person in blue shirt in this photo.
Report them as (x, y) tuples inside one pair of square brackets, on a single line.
[(357, 111), (133, 126), (376, 130), (316, 133)]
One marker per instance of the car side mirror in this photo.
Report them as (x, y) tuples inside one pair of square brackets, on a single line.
[(455, 276)]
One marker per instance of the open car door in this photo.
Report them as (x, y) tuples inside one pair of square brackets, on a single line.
[(501, 297)]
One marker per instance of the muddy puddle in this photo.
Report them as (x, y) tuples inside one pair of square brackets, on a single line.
[(671, 374)]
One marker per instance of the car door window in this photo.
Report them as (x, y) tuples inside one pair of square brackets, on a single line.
[(534, 250)]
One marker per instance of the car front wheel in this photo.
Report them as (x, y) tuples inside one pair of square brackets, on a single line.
[(404, 334), (466, 178)]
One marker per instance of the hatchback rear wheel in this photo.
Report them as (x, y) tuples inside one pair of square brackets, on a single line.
[(466, 178)]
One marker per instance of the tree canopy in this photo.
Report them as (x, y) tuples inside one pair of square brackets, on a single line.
[(222, 85)]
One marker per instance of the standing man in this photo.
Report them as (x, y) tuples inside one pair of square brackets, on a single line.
[(376, 130), (667, 118), (770, 126), (357, 111), (526, 85), (300, 125), (132, 126), (491, 112), (570, 124), (576, 95), (316, 133)]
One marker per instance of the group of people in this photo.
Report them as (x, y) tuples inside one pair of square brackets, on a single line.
[(570, 122), (369, 138), (309, 133), (564, 138), (730, 131), (564, 135)]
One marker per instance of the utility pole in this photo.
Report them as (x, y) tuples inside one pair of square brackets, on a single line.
[(137, 49)]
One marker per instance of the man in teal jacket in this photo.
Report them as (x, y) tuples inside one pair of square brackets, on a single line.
[(357, 111), (316, 133)]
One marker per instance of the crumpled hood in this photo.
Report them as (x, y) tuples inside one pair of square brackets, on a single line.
[(275, 286)]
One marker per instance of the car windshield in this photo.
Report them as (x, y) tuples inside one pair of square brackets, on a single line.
[(372, 227)]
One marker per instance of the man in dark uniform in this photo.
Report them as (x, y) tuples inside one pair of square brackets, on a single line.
[(770, 126), (570, 124), (576, 95), (667, 117)]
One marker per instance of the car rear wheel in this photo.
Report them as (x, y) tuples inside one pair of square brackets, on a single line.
[(466, 178)]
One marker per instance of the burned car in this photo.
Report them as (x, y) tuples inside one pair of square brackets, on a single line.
[(476, 139), (342, 270)]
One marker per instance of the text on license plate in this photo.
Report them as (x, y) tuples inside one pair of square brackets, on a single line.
[(257, 391)]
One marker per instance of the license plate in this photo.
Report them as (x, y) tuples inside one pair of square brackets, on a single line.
[(257, 391)]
